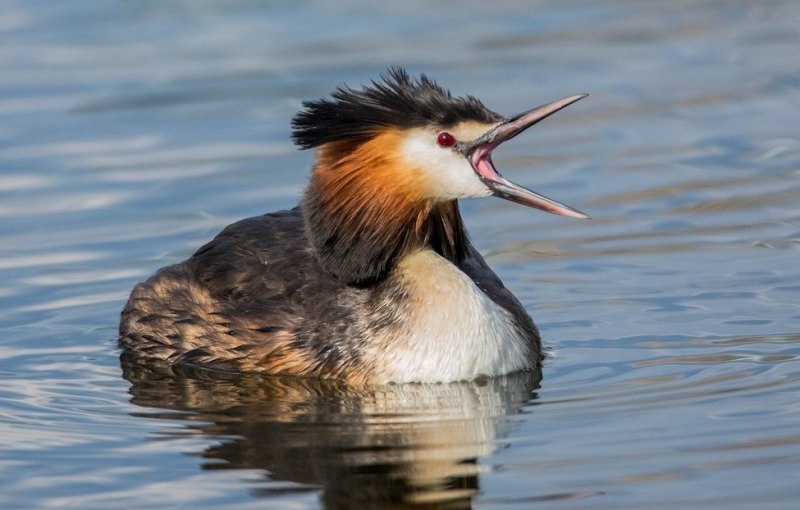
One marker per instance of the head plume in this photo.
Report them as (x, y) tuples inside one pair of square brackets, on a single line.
[(397, 100)]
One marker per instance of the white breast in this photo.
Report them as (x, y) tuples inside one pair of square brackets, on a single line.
[(450, 329)]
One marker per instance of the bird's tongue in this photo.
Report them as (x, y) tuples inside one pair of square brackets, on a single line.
[(480, 157)]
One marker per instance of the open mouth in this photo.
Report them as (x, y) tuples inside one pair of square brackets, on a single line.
[(479, 153)]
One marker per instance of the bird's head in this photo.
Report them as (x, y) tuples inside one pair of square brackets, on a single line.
[(412, 137), (392, 154)]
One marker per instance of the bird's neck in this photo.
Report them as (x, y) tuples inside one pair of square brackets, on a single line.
[(361, 218)]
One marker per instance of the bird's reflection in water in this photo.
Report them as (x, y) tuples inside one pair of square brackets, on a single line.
[(405, 446)]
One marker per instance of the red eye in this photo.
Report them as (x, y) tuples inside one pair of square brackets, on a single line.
[(445, 139)]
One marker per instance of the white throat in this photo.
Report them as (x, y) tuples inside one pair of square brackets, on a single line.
[(450, 330)]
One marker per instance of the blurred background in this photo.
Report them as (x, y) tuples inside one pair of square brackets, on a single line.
[(132, 132)]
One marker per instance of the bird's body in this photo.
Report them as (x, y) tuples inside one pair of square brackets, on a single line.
[(372, 279), (255, 298)]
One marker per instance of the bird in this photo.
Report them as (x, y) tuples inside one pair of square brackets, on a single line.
[(372, 278)]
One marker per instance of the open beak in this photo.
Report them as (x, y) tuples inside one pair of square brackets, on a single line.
[(479, 153)]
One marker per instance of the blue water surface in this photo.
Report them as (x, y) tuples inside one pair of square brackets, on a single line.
[(132, 132)]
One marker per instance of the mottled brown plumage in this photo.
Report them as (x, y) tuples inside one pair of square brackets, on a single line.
[(256, 298)]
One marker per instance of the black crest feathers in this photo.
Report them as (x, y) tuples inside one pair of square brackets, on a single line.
[(396, 100)]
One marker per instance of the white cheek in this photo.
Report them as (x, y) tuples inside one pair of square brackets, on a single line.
[(448, 174)]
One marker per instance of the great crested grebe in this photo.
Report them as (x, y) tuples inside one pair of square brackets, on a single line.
[(372, 278)]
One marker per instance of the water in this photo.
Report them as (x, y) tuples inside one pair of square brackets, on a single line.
[(130, 133)]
